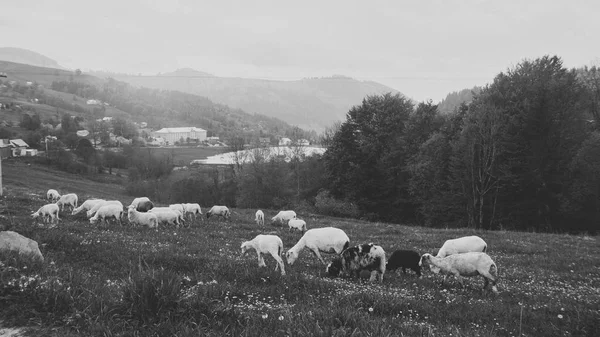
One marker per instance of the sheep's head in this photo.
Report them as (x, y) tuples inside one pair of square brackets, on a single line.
[(291, 257), (245, 248), (334, 267), (424, 261), (34, 215), (93, 221)]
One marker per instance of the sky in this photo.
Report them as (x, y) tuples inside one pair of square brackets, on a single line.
[(424, 49)]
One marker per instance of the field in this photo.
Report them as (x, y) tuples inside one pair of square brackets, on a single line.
[(184, 155), (110, 280)]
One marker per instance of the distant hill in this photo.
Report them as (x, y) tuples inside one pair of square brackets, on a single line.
[(29, 57), (456, 98), (312, 103)]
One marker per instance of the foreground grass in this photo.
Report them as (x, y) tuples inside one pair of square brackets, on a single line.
[(122, 281)]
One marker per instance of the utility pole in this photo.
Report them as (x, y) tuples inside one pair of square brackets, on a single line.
[(1, 175)]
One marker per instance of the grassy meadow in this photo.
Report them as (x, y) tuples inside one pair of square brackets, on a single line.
[(111, 280)]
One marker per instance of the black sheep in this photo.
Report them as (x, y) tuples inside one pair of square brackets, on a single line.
[(404, 259)]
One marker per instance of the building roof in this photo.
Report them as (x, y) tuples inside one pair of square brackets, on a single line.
[(18, 143), (176, 130)]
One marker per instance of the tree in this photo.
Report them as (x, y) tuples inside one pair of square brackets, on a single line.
[(78, 72)]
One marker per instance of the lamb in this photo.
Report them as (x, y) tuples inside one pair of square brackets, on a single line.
[(142, 204), (284, 216), (266, 244), (221, 211), (192, 210), (297, 224), (148, 219), (404, 259), (259, 217), (327, 240), (87, 205), (52, 195), (167, 215), (67, 199), (48, 211), (95, 209), (465, 264), (108, 211), (368, 257), (462, 245)]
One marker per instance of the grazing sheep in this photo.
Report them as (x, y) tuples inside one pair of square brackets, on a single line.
[(87, 205), (48, 211), (221, 211), (355, 259), (142, 204), (266, 244), (148, 219), (52, 195), (297, 224), (284, 216), (192, 210), (177, 207), (327, 240), (465, 264), (108, 211), (462, 245), (259, 217), (67, 199), (404, 259), (167, 215), (95, 209)]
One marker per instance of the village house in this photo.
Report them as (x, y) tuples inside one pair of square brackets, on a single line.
[(19, 147), (172, 135), (285, 141)]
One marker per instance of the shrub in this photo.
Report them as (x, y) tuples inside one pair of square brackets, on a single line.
[(328, 205)]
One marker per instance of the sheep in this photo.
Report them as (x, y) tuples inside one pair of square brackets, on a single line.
[(404, 259), (192, 210), (67, 199), (264, 244), (464, 264), (259, 217), (462, 245), (167, 215), (95, 209), (47, 211), (297, 224), (142, 204), (108, 211), (353, 260), (178, 207), (52, 195), (221, 211), (284, 216), (148, 219), (87, 205), (327, 240)]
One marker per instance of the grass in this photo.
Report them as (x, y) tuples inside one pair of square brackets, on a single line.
[(182, 156), (107, 280)]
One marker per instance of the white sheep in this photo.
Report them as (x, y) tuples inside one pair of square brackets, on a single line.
[(167, 215), (52, 195), (462, 245), (221, 211), (266, 244), (297, 224), (464, 264), (96, 207), (108, 211), (87, 205), (67, 199), (259, 217), (178, 207), (192, 210), (48, 211), (284, 216), (148, 219), (355, 259), (327, 240)]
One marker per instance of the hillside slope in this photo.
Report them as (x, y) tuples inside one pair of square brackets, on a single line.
[(29, 57), (309, 103)]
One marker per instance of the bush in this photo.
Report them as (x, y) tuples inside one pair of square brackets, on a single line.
[(328, 205)]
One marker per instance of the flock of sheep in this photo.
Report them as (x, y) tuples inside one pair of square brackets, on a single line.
[(459, 257)]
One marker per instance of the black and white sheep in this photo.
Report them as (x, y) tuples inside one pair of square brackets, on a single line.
[(142, 204), (327, 240), (353, 260), (464, 264), (266, 244), (462, 245), (404, 259)]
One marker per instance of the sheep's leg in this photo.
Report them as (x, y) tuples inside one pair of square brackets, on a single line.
[(489, 277), (279, 263), (261, 261), (316, 252)]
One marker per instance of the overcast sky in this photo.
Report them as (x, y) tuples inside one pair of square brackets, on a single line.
[(425, 49)]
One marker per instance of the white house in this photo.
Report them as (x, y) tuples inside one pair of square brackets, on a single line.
[(93, 102), (172, 135), (19, 147), (285, 141)]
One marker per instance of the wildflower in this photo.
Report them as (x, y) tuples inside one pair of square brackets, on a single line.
[(281, 318), (560, 316), (370, 309), (265, 316)]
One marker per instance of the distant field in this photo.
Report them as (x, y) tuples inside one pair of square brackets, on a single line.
[(184, 155), (110, 280)]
